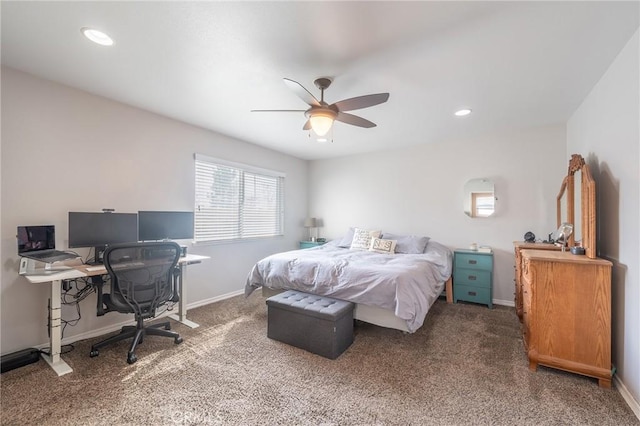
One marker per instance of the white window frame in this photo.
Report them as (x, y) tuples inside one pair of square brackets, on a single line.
[(206, 230)]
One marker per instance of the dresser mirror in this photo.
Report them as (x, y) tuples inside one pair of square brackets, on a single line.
[(479, 198), (576, 204)]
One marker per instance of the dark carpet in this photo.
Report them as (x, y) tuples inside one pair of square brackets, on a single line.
[(465, 366)]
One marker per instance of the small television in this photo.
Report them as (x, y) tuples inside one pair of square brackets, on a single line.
[(165, 225), (99, 230)]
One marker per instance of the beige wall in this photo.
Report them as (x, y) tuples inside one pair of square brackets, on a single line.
[(605, 129), (66, 150), (419, 191)]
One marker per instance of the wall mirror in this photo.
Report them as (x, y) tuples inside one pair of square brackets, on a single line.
[(576, 204), (479, 198)]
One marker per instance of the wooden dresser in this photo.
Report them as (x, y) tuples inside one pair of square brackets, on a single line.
[(567, 312), (518, 247)]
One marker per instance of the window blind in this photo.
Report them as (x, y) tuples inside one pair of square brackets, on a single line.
[(235, 201)]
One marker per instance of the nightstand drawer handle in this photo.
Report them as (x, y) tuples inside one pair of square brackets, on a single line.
[(473, 262), (472, 293), (472, 277)]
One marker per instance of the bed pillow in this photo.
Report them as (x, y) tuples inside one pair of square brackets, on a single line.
[(408, 244), (379, 245), (362, 238), (345, 242)]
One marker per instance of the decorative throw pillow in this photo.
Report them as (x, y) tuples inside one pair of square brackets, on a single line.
[(408, 244), (362, 238), (379, 245)]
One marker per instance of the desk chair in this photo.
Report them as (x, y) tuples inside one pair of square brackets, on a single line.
[(143, 278)]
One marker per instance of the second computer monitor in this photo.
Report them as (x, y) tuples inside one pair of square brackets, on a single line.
[(165, 225)]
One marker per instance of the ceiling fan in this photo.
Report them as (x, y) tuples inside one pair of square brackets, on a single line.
[(321, 115)]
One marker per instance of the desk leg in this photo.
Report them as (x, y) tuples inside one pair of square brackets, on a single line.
[(55, 332), (182, 303)]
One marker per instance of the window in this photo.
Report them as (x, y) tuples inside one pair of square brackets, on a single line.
[(482, 204), (235, 201)]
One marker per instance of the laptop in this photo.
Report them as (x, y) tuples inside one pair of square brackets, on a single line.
[(39, 243)]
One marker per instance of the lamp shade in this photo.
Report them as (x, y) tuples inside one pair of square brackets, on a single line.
[(321, 121), (310, 222)]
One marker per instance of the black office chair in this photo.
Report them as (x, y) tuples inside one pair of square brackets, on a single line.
[(143, 277)]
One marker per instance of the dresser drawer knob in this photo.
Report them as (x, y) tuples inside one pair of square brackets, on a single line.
[(472, 277), (473, 262), (471, 293)]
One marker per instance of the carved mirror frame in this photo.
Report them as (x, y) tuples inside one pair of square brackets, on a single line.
[(587, 204)]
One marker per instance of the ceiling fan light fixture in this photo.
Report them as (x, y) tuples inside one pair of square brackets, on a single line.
[(321, 121), (96, 36), (462, 112)]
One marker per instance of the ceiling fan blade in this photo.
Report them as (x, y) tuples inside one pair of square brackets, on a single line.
[(362, 101), (278, 110), (307, 125), (354, 120), (302, 93)]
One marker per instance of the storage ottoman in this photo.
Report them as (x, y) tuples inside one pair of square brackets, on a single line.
[(318, 324)]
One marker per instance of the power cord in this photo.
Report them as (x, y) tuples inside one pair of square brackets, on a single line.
[(86, 259), (47, 351), (83, 288)]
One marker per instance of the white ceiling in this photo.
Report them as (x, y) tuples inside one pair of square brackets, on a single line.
[(516, 64)]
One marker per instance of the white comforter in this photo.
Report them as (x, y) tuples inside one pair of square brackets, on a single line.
[(407, 284)]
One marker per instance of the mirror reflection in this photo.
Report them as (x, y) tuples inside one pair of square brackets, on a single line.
[(479, 198), (576, 203), (577, 194)]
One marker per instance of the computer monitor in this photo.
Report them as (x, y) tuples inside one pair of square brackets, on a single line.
[(101, 229), (159, 225)]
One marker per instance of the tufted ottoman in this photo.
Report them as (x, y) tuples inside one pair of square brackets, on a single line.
[(318, 324)]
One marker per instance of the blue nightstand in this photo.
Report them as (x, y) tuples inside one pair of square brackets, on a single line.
[(473, 277), (309, 244)]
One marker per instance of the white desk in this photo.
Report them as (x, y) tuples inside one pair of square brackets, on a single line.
[(79, 271), (55, 322), (181, 316)]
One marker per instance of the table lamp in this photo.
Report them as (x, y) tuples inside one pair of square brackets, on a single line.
[(310, 223)]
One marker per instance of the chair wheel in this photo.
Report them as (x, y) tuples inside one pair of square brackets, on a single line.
[(94, 353), (131, 358), (178, 340)]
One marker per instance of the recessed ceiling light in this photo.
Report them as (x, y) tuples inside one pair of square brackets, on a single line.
[(97, 36), (463, 112)]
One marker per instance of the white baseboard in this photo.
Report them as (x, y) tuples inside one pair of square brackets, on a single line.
[(114, 327), (631, 402), (504, 302), (214, 299)]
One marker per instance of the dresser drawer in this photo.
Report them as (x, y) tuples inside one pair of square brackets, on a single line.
[(473, 278), (474, 261), (472, 294)]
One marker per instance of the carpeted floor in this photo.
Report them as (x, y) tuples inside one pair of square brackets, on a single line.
[(465, 366)]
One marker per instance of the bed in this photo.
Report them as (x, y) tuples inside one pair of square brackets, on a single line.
[(390, 290)]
